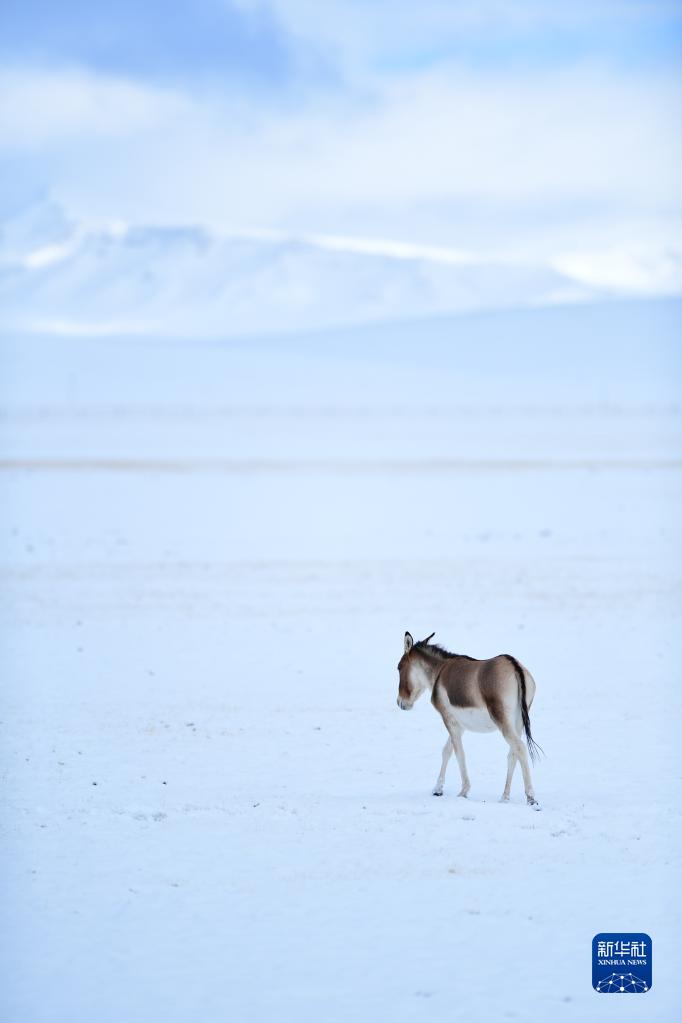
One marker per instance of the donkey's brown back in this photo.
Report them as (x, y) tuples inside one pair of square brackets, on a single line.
[(485, 684)]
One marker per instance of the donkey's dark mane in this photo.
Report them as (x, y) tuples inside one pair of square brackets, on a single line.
[(439, 651)]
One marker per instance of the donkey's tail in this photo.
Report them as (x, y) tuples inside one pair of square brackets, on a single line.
[(533, 747)]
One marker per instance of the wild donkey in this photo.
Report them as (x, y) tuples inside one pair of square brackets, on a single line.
[(476, 695)]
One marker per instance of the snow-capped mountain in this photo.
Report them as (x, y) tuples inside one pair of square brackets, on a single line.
[(57, 275)]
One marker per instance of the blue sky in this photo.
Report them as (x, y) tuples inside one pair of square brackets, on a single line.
[(151, 40), (495, 126), (276, 44)]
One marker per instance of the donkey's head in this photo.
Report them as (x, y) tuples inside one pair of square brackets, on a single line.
[(414, 676)]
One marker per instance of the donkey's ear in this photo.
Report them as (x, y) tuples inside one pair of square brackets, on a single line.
[(408, 642)]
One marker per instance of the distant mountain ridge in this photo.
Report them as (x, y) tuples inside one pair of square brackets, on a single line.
[(60, 277)]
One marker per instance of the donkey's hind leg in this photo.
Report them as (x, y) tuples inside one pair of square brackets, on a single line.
[(517, 747), (447, 753)]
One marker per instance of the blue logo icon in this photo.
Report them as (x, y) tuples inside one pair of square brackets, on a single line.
[(621, 963)]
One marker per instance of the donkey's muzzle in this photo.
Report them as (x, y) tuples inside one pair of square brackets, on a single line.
[(403, 704)]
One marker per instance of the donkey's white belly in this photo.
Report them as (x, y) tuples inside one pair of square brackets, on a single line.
[(472, 719)]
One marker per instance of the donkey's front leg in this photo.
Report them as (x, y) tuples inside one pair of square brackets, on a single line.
[(511, 764), (447, 753), (456, 739)]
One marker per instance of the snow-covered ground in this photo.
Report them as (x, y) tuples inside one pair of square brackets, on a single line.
[(210, 552)]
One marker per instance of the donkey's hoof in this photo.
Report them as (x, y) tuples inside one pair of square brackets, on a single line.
[(463, 794), (437, 792), (533, 804), (504, 799)]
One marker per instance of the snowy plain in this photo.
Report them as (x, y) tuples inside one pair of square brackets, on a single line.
[(210, 552)]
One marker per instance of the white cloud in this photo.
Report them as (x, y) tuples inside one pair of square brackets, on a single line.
[(41, 109), (600, 144), (579, 134)]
